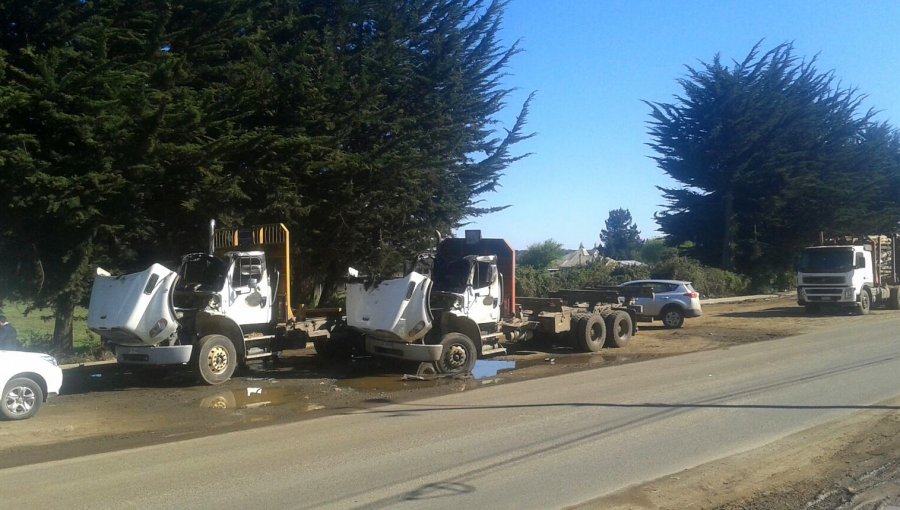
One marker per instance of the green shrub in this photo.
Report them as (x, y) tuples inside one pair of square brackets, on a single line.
[(708, 281), (621, 273), (531, 282)]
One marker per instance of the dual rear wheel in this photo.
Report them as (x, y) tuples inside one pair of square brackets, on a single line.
[(592, 332)]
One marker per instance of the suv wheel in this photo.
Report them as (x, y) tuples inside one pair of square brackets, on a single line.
[(672, 317)]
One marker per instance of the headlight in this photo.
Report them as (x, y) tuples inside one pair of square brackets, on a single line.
[(50, 359), (417, 328), (160, 324)]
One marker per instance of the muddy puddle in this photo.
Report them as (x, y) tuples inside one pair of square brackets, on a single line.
[(254, 397), (268, 385), (486, 371)]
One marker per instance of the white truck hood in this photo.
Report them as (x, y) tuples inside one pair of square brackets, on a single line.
[(133, 309), (394, 310)]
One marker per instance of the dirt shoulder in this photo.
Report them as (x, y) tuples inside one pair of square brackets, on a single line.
[(104, 408), (852, 463)]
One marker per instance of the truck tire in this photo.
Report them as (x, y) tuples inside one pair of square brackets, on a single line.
[(22, 397), (590, 333), (214, 359), (458, 355), (672, 317), (865, 302), (894, 298), (618, 329)]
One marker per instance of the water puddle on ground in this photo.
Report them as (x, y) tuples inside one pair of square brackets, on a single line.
[(254, 396), (485, 368), (379, 383), (587, 359), (485, 371)]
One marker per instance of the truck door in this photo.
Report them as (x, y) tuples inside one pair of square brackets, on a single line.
[(483, 295), (251, 297)]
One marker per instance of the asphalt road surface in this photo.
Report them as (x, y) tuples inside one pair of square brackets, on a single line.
[(543, 443)]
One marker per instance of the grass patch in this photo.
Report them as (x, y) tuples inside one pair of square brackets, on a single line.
[(35, 330)]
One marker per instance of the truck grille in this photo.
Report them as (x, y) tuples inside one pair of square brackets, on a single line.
[(823, 291), (823, 280)]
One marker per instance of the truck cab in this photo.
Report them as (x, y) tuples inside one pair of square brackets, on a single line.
[(471, 286), (237, 284), (450, 317), (218, 310), (855, 273), (467, 308)]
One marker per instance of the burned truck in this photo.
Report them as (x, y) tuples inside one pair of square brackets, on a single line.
[(467, 308)]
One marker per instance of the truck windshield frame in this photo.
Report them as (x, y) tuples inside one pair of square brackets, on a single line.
[(202, 272), (826, 260), (452, 275)]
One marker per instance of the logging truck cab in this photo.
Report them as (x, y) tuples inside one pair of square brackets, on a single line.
[(851, 272)]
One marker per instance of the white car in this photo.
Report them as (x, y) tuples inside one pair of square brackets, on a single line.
[(27, 379), (673, 301)]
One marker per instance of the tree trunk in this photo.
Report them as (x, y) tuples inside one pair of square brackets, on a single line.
[(62, 329), (728, 232)]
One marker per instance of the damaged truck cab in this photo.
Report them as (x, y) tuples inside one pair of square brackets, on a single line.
[(467, 308), (218, 310)]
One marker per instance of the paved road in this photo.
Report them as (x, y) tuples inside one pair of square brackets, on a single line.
[(536, 444)]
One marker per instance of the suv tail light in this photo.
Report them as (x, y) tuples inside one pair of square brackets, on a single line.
[(692, 295)]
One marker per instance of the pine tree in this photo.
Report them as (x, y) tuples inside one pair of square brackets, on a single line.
[(621, 238)]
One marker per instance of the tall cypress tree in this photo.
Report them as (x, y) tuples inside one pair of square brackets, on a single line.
[(769, 152), (365, 125)]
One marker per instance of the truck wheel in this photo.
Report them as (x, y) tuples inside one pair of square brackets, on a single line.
[(214, 359), (458, 355), (22, 398), (894, 298), (672, 317), (590, 333), (618, 329), (865, 302)]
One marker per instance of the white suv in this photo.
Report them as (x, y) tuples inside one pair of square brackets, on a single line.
[(673, 301), (27, 379)]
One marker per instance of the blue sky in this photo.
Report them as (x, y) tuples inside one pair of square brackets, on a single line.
[(591, 62)]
